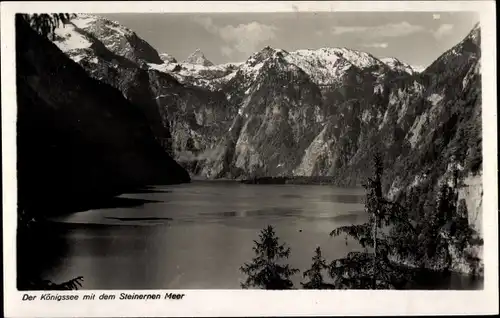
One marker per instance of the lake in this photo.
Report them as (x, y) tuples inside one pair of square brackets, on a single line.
[(198, 235)]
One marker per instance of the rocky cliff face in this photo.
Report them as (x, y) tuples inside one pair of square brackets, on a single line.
[(451, 104), (79, 139)]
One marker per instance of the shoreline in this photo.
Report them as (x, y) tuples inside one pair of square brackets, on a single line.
[(300, 180)]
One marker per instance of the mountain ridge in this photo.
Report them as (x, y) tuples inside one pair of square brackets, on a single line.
[(383, 96)]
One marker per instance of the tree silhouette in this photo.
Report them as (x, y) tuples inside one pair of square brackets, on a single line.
[(72, 284), (315, 273), (265, 271), (45, 24)]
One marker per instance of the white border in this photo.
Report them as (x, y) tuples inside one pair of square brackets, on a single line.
[(260, 303)]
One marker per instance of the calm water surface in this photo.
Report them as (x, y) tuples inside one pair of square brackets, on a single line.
[(198, 235)]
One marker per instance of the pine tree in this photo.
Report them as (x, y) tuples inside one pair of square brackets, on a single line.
[(314, 274), (265, 271), (373, 269)]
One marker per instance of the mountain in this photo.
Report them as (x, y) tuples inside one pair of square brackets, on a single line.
[(78, 140), (308, 112), (198, 58), (116, 38)]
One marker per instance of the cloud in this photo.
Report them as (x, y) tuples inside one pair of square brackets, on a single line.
[(207, 23), (244, 38), (247, 37), (443, 30), (387, 30), (227, 51), (377, 45), (319, 32)]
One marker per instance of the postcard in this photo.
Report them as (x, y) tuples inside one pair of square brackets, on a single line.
[(249, 158)]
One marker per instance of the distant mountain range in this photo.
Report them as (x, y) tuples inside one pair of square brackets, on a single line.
[(304, 113)]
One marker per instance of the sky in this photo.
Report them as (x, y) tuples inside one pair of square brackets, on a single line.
[(416, 38)]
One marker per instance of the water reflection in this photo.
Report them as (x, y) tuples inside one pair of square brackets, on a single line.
[(267, 212), (293, 196), (197, 235), (344, 198)]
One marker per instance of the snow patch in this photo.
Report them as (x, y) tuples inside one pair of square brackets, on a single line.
[(397, 65), (83, 22), (325, 66), (72, 39), (77, 58)]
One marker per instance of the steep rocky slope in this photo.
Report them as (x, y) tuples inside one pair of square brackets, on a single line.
[(450, 105), (78, 139)]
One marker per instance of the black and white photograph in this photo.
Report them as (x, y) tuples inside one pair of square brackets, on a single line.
[(300, 150)]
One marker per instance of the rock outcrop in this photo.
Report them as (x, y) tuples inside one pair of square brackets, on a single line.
[(198, 58)]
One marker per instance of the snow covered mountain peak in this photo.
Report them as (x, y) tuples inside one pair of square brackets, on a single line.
[(398, 66), (198, 58), (326, 66), (418, 68), (87, 30), (265, 54)]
